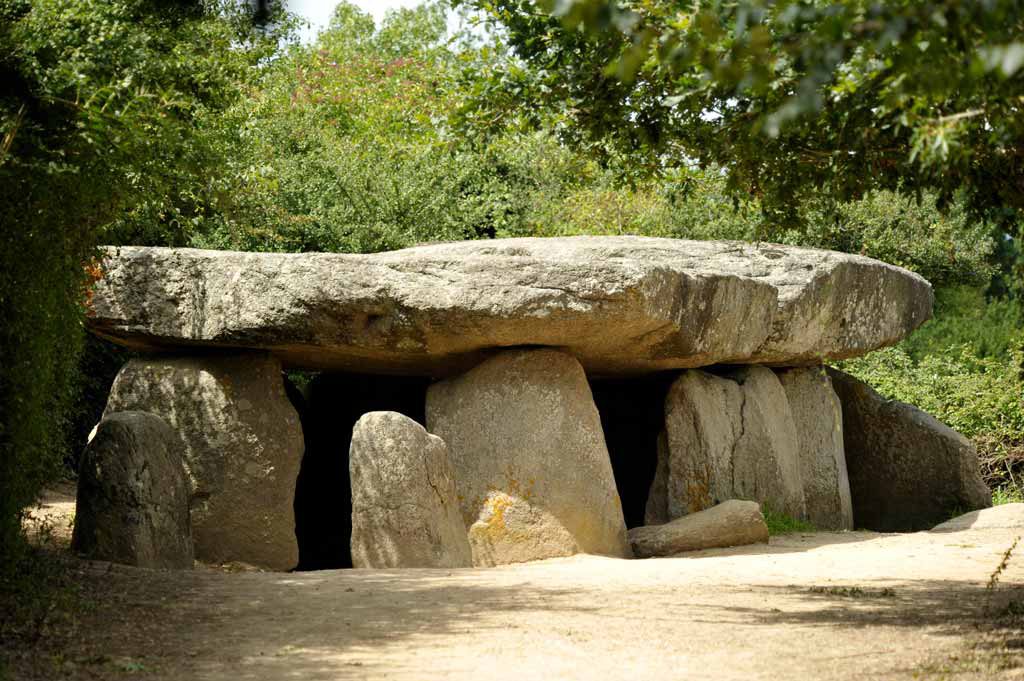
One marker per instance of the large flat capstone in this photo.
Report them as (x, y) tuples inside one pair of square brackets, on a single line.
[(619, 304)]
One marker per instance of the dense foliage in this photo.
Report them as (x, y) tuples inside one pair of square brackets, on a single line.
[(790, 96), (98, 119), (348, 145)]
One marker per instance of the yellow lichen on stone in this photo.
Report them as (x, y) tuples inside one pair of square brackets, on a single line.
[(496, 505)]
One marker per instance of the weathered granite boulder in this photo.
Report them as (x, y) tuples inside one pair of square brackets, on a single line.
[(529, 458), (1003, 517), (133, 494), (405, 512), (730, 437), (730, 523), (243, 445), (907, 471), (618, 304), (818, 418)]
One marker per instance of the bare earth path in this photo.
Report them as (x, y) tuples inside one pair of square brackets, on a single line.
[(813, 606)]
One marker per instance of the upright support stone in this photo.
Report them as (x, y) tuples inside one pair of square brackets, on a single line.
[(243, 446), (405, 512), (133, 492), (656, 511), (529, 457), (907, 470), (818, 417), (730, 438)]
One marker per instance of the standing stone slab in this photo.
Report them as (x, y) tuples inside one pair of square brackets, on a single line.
[(702, 425), (730, 523), (243, 446), (730, 437), (405, 512), (133, 493), (530, 462), (819, 425), (907, 470), (766, 461), (656, 510)]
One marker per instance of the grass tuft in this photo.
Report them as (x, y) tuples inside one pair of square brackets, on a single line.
[(1008, 494), (780, 523)]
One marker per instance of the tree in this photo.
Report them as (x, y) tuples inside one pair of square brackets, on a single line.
[(790, 97), (346, 147), (98, 133)]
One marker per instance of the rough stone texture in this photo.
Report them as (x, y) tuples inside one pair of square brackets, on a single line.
[(656, 511), (730, 437), (529, 458), (1005, 516), (730, 523), (511, 529), (818, 417), (133, 493), (907, 470), (405, 512), (618, 304), (243, 446)]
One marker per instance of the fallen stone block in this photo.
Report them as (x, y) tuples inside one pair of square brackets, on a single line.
[(731, 523)]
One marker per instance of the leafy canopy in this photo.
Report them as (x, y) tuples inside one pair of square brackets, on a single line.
[(791, 96)]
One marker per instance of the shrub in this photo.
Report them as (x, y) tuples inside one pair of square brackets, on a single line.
[(964, 317)]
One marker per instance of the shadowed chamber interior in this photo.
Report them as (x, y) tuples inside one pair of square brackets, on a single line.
[(330, 407), (632, 415)]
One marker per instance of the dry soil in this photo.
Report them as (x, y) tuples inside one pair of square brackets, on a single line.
[(855, 605)]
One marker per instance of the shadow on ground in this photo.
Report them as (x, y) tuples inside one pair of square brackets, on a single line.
[(360, 624), (823, 606)]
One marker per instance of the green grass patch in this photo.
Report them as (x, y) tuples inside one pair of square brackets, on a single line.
[(780, 523), (1010, 494)]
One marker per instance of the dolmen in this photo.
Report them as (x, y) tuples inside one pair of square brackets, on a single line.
[(491, 402)]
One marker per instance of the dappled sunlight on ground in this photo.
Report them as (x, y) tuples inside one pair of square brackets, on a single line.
[(846, 605)]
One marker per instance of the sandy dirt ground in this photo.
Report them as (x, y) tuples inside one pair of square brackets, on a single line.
[(854, 605)]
